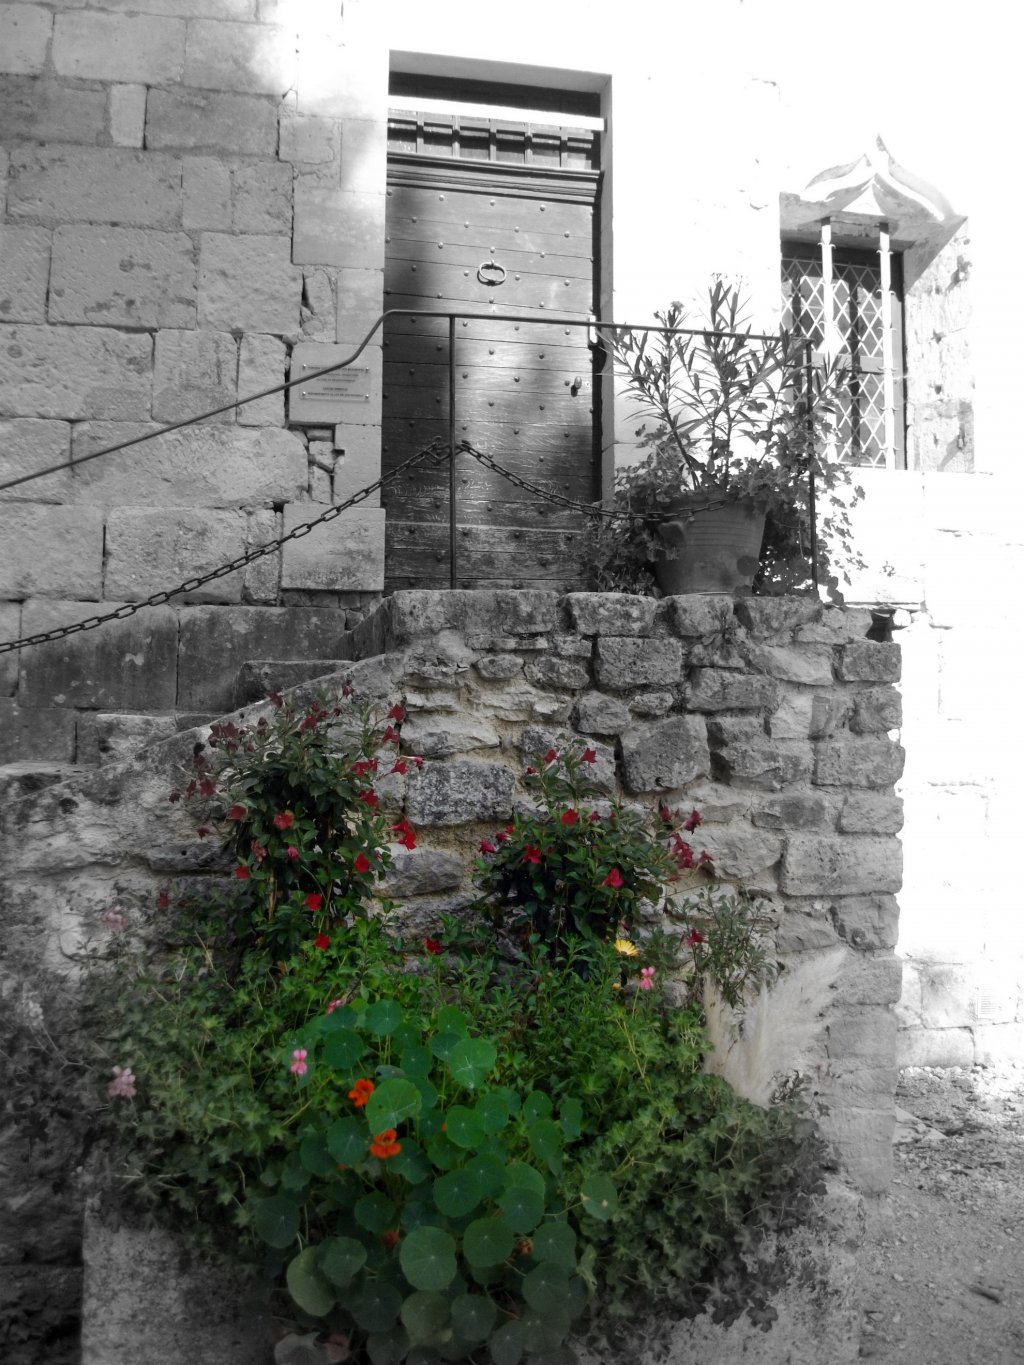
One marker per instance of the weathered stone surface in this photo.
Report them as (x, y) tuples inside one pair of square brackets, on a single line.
[(857, 763), (106, 738), (745, 855), (217, 641), (496, 667), (43, 733), (665, 755), (338, 227), (311, 143), (457, 793), (206, 193), (253, 58), (522, 644), (837, 626), (409, 615), (868, 980), (127, 115), (804, 929), (851, 865), (764, 616), (151, 549), (435, 737), (871, 813), (257, 678), (193, 372), (28, 444), (420, 872), (261, 365), (866, 921), (74, 372), (792, 812), (830, 711), (712, 689), (24, 271), (572, 647), (93, 46), (35, 109), (651, 703), (50, 551), (863, 1032), (945, 1047), (205, 466), (248, 283), (807, 664), (10, 629), (724, 730), (697, 615), (793, 719), (597, 714), (551, 672), (343, 555), (211, 120), (864, 1140), (121, 666), (606, 613), (625, 662), (764, 764), (870, 661), (122, 277), (24, 34), (95, 185), (876, 710), (261, 197)]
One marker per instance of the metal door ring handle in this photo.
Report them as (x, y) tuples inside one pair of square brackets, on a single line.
[(488, 280)]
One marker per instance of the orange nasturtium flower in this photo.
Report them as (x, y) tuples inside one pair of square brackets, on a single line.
[(361, 1092), (384, 1144)]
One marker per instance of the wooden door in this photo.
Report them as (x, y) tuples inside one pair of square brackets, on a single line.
[(488, 237)]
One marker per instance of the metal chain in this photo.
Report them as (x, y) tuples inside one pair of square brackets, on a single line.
[(437, 450)]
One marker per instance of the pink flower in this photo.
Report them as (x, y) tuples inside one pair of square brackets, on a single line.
[(487, 847), (334, 1005), (298, 1066), (613, 879), (291, 851), (122, 1087), (258, 851), (284, 819), (646, 982), (115, 919)]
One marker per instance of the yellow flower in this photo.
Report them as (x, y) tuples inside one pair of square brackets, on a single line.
[(616, 986), (626, 948)]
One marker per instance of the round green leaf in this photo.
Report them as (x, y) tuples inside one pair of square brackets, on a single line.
[(406, 1037), (376, 1307), (306, 1287), (519, 1173), (444, 1154), (427, 1257), (471, 1061), (427, 1089), (340, 1260), (343, 1049), (488, 1242), (570, 1116), (375, 1212), (450, 1019), (315, 1156), (421, 1213), (508, 1344), (388, 1348), (443, 1044), (522, 1207), (555, 1242), (490, 1171), (411, 1162), (493, 1111), (544, 1332), (536, 1106), (473, 1316), (545, 1139), (416, 1062), (391, 1103), (277, 1220), (294, 1175), (348, 1141), (382, 1017), (424, 1314), (546, 1288), (600, 1198), (463, 1126), (457, 1193)]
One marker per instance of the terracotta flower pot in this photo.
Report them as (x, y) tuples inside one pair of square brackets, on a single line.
[(713, 547)]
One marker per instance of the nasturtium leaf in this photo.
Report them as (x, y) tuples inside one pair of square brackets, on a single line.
[(427, 1089), (315, 1156), (388, 1348), (511, 1097), (423, 1355), (545, 1289), (490, 1172), (599, 1197), (416, 1061), (305, 1285), (342, 1050), (348, 1141), (424, 1314), (487, 1242), (493, 1111), (277, 1220), (406, 1038), (519, 1173), (375, 1212), (457, 1193), (411, 1162), (570, 1116), (294, 1175), (376, 1307), (382, 1017), (450, 1019), (444, 1154), (391, 1103), (555, 1242), (545, 1139), (508, 1344), (341, 1017), (421, 1213), (536, 1106), (473, 1316), (427, 1257), (471, 1061), (463, 1126), (340, 1259), (443, 1044), (522, 1207)]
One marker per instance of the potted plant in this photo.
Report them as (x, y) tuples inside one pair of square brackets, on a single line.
[(736, 438)]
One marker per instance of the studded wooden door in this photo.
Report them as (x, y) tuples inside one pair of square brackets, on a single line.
[(503, 225)]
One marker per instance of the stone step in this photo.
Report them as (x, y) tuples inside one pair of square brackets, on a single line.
[(259, 677), (110, 737)]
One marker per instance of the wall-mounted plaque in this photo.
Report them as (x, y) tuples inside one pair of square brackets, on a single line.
[(330, 398)]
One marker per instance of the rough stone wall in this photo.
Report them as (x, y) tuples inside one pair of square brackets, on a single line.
[(939, 364), (187, 209)]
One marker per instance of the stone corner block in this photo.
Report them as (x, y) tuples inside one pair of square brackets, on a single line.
[(697, 615), (611, 613), (870, 661), (342, 555), (626, 662), (666, 755), (764, 616)]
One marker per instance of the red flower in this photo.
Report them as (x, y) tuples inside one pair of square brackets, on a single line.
[(348, 690), (401, 767), (276, 699), (532, 855), (682, 852), (362, 863), (242, 874), (284, 820), (594, 817), (397, 713), (692, 821), (163, 901), (207, 787), (551, 756), (665, 814), (308, 723), (693, 937), (570, 817), (363, 766), (415, 758), (613, 879), (487, 847), (390, 736), (390, 1239), (384, 1144), (321, 941), (292, 851), (705, 859), (405, 834), (531, 771), (434, 946), (258, 851), (237, 812), (370, 797), (314, 901), (361, 1092), (588, 756), (203, 830)]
